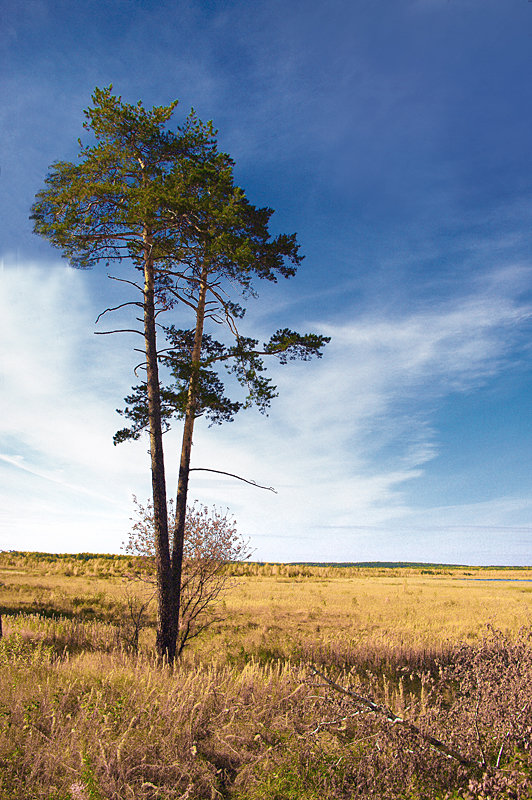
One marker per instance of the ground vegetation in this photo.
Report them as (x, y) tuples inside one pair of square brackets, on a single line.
[(82, 716)]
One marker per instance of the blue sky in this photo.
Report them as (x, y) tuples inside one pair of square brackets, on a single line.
[(394, 137)]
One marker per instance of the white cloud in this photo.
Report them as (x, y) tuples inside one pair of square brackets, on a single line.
[(348, 432), (60, 385), (344, 437)]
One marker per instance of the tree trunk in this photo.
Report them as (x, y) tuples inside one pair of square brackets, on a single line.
[(184, 466), (160, 512)]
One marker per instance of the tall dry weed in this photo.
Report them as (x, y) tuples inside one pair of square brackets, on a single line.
[(82, 717)]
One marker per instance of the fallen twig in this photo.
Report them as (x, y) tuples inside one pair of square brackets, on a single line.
[(390, 716)]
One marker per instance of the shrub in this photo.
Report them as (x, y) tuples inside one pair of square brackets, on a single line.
[(211, 542)]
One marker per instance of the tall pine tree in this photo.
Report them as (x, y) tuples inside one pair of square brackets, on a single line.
[(167, 202)]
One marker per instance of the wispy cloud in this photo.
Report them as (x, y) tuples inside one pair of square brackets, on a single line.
[(19, 463), (59, 388), (343, 440), (349, 432)]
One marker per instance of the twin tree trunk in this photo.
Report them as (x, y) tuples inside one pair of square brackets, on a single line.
[(169, 570)]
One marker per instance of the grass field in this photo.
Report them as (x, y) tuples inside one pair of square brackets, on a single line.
[(243, 715)]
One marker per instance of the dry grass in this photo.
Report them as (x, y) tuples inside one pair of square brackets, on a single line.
[(242, 717), (402, 611), (293, 606)]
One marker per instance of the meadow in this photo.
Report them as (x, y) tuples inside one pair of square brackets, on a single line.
[(274, 700)]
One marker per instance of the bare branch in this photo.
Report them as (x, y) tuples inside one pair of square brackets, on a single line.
[(339, 721), (215, 318), (115, 308), (119, 330), (232, 475), (390, 716), (499, 756), (123, 280), (182, 299), (142, 364)]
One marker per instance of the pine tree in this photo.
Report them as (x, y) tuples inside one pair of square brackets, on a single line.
[(167, 203)]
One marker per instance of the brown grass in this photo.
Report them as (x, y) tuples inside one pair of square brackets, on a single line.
[(242, 716)]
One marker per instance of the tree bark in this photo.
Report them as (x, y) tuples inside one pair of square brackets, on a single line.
[(160, 513), (184, 465)]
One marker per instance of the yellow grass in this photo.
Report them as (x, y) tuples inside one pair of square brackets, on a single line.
[(243, 716), (290, 611)]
